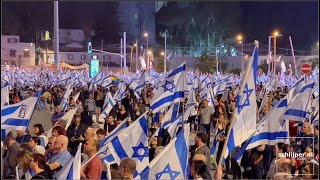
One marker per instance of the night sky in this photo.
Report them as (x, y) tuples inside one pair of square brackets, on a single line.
[(297, 19)]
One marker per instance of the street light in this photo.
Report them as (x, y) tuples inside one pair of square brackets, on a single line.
[(162, 53), (164, 34), (240, 41), (146, 35), (275, 35)]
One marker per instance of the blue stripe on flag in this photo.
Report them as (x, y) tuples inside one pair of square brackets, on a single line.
[(296, 112), (306, 87), (9, 110), (181, 149), (118, 148), (283, 103), (3, 134), (179, 94), (178, 70), (16, 122)]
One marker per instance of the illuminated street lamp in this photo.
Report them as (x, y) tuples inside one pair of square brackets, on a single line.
[(162, 53), (275, 35), (240, 41)]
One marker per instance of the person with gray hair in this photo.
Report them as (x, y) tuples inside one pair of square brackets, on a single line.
[(12, 147)]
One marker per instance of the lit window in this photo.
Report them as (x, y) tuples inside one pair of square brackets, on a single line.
[(12, 53)]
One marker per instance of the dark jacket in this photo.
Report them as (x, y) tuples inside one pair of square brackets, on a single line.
[(86, 118)]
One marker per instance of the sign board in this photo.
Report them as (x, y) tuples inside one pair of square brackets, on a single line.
[(94, 67), (306, 68)]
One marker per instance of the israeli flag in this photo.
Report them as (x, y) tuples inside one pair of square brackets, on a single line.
[(110, 104), (132, 142), (172, 162), (121, 93), (17, 116), (113, 134), (170, 91), (73, 167), (221, 85), (64, 77), (297, 110), (170, 115), (137, 88), (245, 117), (272, 128), (75, 170), (66, 97), (315, 92), (5, 94), (107, 81)]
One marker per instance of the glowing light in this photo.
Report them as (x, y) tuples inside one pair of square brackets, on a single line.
[(149, 52), (162, 53), (276, 33), (145, 34), (239, 37)]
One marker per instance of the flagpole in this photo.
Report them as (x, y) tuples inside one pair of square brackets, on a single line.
[(247, 73)]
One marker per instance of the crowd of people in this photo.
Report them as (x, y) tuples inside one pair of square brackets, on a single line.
[(41, 156)]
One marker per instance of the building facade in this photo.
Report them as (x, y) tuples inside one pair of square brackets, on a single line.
[(136, 18), (14, 52)]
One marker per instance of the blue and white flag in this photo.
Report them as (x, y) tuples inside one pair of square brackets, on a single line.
[(121, 93), (131, 142), (5, 94), (272, 128), (297, 109), (64, 77), (315, 92), (137, 88), (221, 85), (245, 117), (170, 91), (172, 162), (66, 98), (110, 104), (17, 116), (75, 170)]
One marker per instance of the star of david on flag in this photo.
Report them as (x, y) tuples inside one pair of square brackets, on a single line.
[(169, 86), (139, 155), (243, 124), (167, 170)]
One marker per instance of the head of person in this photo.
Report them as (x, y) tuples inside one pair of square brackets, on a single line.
[(90, 133), (205, 103), (51, 143), (10, 138), (116, 175), (310, 171), (127, 167), (285, 168), (38, 129), (282, 176), (76, 119), (95, 127), (58, 130), (122, 108), (61, 144), (62, 123), (110, 119), (161, 116), (280, 148), (199, 157), (197, 168), (34, 141), (26, 146), (101, 134), (38, 161), (307, 128), (266, 107), (154, 142), (91, 146), (201, 139), (58, 109), (24, 157), (309, 152)]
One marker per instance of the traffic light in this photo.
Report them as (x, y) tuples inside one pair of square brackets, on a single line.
[(89, 48)]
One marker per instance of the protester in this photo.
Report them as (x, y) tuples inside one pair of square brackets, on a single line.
[(37, 164), (58, 130), (94, 167), (127, 167), (34, 143), (11, 160), (206, 116), (39, 131)]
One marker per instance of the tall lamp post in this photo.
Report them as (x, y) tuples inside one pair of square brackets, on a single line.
[(148, 59), (146, 35), (275, 35), (164, 34), (239, 38)]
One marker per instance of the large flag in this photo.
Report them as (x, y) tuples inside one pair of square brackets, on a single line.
[(245, 117), (73, 167), (131, 142), (5, 94), (74, 172), (272, 128), (297, 110), (17, 116), (171, 90), (221, 85), (121, 93), (172, 162), (66, 97)]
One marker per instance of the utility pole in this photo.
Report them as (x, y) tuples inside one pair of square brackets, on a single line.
[(56, 36), (137, 47), (124, 51), (121, 55)]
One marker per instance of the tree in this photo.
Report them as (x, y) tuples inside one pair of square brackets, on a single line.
[(207, 64)]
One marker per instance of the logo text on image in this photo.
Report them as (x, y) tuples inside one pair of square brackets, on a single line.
[(295, 155)]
